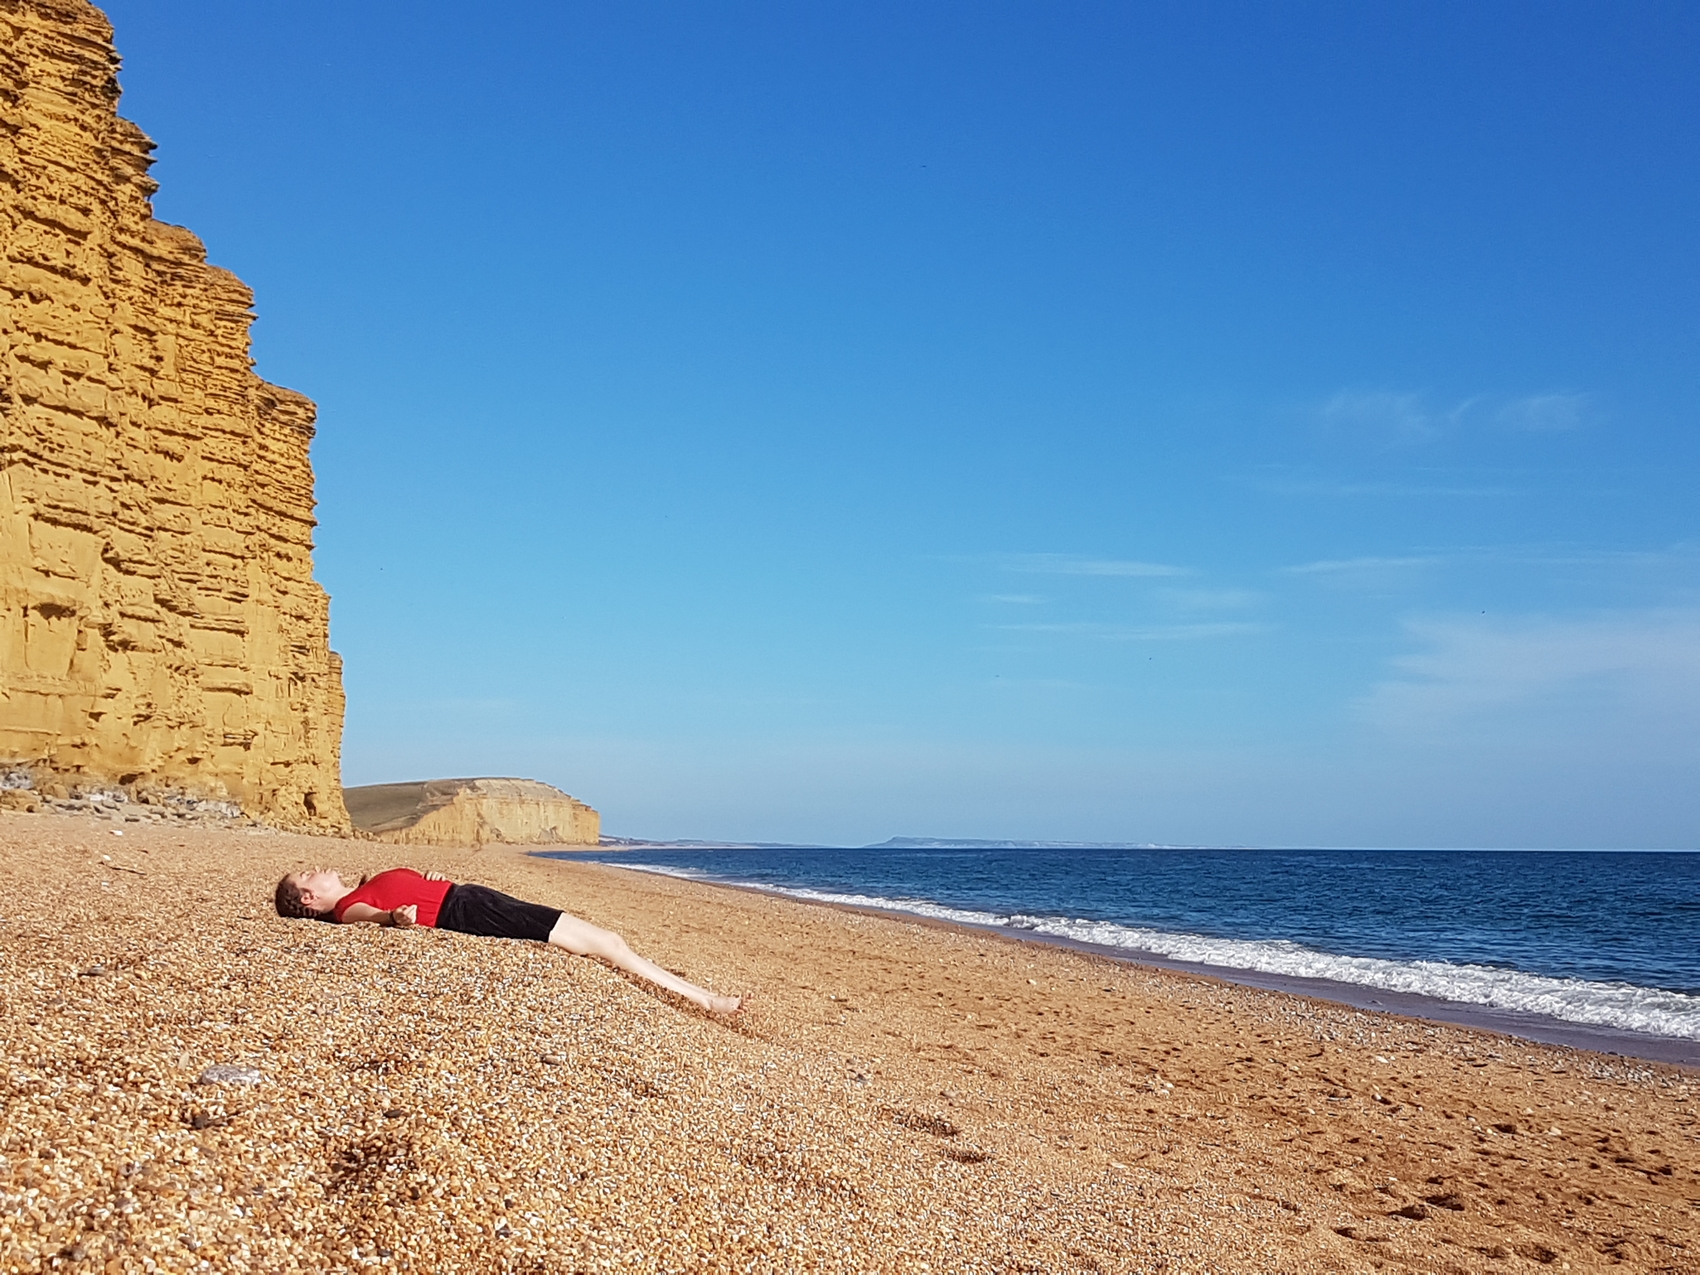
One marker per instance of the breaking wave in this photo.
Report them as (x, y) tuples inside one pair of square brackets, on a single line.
[(1615, 1005)]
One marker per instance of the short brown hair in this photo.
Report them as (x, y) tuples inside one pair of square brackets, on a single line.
[(288, 900)]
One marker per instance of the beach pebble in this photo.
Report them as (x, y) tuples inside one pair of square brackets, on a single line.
[(463, 1104), (230, 1074)]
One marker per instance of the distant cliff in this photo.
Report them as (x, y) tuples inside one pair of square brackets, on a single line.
[(159, 622), (472, 812)]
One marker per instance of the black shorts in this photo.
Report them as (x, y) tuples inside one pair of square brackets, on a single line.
[(477, 909)]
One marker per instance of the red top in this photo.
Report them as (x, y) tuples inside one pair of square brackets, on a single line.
[(396, 888)]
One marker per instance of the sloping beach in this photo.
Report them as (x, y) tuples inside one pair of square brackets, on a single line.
[(900, 1096)]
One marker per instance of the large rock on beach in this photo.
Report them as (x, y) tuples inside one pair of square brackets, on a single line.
[(472, 812), (160, 627)]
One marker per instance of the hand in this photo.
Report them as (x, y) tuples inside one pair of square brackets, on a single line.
[(404, 916), (435, 876)]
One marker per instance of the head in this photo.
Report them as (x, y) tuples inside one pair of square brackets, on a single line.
[(310, 894)]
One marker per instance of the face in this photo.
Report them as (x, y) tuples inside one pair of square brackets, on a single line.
[(320, 887)]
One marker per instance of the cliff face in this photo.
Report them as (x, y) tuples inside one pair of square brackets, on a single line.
[(159, 622), (473, 812)]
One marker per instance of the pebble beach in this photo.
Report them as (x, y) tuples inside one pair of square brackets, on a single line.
[(192, 1083)]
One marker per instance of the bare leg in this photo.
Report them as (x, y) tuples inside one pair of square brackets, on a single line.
[(584, 939)]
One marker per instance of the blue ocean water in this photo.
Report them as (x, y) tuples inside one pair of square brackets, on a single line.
[(1611, 940)]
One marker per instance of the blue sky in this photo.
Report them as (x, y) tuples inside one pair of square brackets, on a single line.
[(1165, 422)]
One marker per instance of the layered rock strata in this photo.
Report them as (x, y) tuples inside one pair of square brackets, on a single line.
[(472, 812), (160, 627)]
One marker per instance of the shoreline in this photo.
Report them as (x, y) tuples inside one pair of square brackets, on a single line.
[(1545, 1029), (191, 1082)]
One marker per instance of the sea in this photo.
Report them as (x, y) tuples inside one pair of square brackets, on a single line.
[(1595, 949)]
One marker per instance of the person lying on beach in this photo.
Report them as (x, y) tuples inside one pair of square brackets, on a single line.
[(403, 897)]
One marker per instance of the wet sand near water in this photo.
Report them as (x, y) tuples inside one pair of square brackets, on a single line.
[(900, 1097)]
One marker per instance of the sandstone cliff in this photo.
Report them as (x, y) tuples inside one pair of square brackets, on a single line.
[(472, 812), (159, 622)]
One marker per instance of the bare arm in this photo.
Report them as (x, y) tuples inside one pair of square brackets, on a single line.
[(403, 916)]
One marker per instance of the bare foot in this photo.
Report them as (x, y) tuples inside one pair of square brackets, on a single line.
[(723, 1004)]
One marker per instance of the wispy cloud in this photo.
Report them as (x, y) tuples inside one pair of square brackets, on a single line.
[(1547, 413), (1208, 599), (1015, 599), (1387, 415), (1367, 574), (1609, 666), (1068, 564), (1354, 566), (1039, 684), (1140, 632), (1403, 417), (1678, 561), (1440, 484)]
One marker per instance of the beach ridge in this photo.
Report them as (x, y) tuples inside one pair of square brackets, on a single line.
[(903, 1096)]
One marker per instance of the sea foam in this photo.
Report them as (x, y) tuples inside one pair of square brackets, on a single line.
[(1616, 1005)]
